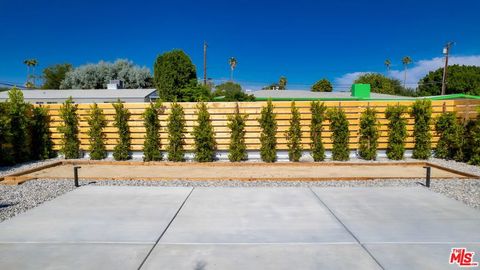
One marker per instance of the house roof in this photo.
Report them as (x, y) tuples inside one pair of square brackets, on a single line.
[(83, 94), (284, 94)]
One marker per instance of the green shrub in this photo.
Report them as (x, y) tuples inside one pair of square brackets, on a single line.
[(122, 149), (176, 133), (42, 145), (69, 129), (472, 141), (96, 136), (340, 133), (237, 150), (20, 114), (268, 124), (203, 135), (422, 113), (318, 116), (294, 135), (397, 131), (450, 133), (151, 146), (6, 151), (369, 134)]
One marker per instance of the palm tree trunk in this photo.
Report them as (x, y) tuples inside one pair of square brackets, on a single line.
[(231, 74), (405, 77)]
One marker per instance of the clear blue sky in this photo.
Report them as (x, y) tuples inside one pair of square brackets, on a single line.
[(303, 40)]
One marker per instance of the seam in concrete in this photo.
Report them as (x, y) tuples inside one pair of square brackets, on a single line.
[(166, 228), (347, 229)]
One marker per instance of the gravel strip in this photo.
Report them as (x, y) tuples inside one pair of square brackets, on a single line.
[(17, 199)]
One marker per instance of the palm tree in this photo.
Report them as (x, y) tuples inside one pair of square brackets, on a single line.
[(233, 63), (30, 63), (387, 63), (405, 61)]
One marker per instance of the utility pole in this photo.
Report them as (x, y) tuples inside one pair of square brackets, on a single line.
[(446, 51), (205, 63)]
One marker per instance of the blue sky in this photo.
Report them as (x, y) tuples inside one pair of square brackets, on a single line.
[(302, 40)]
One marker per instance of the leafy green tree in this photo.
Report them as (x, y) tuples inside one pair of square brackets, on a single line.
[(97, 76), (318, 116), (340, 133), (42, 145), (69, 130), (384, 85), (6, 151), (369, 134), (232, 92), (54, 75), (422, 113), (122, 149), (96, 136), (471, 135), (282, 83), (322, 85), (176, 133), (237, 149), (20, 114), (173, 71), (195, 92), (203, 134), (397, 131), (151, 146), (294, 135), (450, 133), (460, 80), (268, 124)]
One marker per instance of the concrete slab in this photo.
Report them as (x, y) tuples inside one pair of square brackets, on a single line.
[(418, 256), (72, 256), (98, 214), (255, 215), (259, 256), (402, 215)]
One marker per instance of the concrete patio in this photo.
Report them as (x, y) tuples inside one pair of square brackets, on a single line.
[(240, 228)]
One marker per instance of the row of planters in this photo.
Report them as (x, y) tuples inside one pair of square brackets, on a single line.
[(24, 132), (457, 140)]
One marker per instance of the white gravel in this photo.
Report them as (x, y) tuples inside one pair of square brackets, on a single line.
[(18, 199)]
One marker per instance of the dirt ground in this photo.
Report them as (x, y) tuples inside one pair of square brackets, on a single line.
[(171, 171)]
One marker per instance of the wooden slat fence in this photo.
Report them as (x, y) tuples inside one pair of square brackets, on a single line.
[(219, 115)]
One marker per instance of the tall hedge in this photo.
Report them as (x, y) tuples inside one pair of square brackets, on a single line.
[(203, 135), (318, 116), (176, 133), (96, 136), (340, 134), (6, 151), (268, 125), (237, 149), (20, 114), (294, 135), (422, 113), (472, 141), (151, 145), (450, 133), (42, 145), (397, 131), (368, 141), (69, 129), (122, 149)]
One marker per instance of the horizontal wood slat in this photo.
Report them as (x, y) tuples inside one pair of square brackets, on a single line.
[(466, 109)]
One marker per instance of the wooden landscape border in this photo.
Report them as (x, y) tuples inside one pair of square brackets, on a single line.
[(22, 176)]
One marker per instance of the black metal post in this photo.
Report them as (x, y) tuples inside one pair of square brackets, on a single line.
[(427, 183), (75, 175)]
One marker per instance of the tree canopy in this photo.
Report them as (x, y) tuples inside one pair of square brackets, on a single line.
[(173, 71), (281, 85), (322, 85), (460, 80), (97, 76), (194, 92), (54, 75), (232, 92), (384, 85)]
